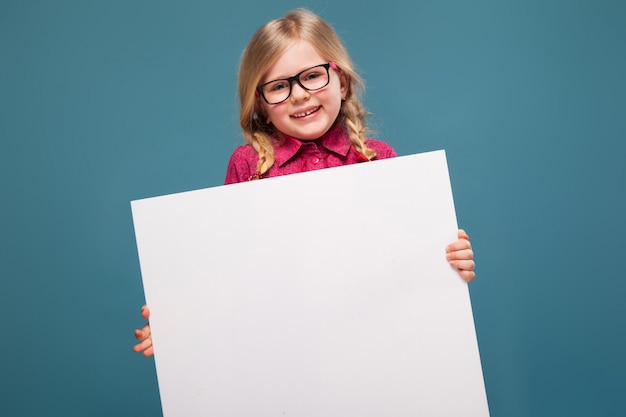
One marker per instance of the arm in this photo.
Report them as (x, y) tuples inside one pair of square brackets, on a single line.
[(461, 256)]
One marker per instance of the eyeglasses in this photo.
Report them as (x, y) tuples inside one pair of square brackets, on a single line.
[(311, 79)]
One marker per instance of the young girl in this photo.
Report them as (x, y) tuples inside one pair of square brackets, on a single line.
[(300, 111)]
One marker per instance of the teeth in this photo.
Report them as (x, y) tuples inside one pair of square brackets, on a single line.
[(306, 113)]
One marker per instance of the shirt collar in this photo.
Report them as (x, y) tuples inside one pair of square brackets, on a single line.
[(334, 140)]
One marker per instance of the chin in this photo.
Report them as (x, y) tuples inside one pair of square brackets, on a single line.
[(308, 137), (309, 134)]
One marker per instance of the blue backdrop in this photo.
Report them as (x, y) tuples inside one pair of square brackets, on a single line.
[(103, 102)]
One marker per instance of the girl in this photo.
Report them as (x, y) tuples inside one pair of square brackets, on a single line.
[(300, 111)]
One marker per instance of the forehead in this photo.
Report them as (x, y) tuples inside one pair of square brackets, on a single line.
[(296, 57)]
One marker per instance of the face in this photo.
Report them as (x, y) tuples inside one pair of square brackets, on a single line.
[(305, 115)]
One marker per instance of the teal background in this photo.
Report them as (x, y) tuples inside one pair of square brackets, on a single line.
[(104, 102)]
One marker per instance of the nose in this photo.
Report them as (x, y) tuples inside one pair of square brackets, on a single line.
[(298, 92)]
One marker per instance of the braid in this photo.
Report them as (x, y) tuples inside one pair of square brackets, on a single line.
[(353, 116), (262, 144)]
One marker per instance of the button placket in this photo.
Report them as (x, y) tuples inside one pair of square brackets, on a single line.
[(313, 153)]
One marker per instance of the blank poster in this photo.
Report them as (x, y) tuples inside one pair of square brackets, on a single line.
[(320, 294)]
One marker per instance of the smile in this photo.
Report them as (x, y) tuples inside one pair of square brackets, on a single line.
[(306, 113)]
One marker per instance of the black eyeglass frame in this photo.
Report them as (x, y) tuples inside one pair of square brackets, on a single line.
[(296, 78)]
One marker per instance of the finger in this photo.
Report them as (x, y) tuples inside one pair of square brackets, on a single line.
[(467, 276), (146, 344), (145, 312), (148, 352), (463, 254), (459, 245), (463, 235), (468, 265), (141, 335), (144, 333)]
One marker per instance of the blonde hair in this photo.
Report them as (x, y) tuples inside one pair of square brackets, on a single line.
[(265, 47)]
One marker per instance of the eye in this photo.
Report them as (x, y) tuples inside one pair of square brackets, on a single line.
[(312, 75), (277, 86)]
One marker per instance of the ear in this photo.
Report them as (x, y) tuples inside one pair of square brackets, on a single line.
[(260, 109), (344, 84)]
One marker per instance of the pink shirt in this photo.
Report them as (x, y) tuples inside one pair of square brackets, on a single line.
[(331, 150)]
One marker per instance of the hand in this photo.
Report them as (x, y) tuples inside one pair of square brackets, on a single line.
[(461, 256), (144, 336)]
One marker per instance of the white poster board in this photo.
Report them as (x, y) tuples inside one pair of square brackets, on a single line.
[(321, 294)]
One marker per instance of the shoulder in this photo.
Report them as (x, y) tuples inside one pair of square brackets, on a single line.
[(244, 153), (242, 164), (382, 149)]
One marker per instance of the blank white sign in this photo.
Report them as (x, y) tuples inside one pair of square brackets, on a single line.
[(321, 294)]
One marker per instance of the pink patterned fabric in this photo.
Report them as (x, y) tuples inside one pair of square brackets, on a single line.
[(293, 156)]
